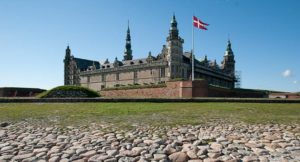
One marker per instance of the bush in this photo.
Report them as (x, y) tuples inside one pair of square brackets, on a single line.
[(68, 92)]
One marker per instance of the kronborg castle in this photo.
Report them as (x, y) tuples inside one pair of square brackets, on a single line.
[(171, 64)]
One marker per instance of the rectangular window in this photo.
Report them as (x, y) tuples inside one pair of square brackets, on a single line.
[(135, 77), (117, 76), (103, 78), (162, 72)]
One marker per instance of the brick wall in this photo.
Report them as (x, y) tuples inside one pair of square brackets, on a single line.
[(179, 89), (183, 89)]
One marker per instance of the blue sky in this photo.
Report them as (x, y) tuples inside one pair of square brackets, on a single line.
[(265, 36)]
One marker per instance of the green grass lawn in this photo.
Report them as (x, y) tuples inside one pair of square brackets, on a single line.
[(148, 113)]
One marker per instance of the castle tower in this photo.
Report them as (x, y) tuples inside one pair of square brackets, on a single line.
[(175, 51), (228, 63), (67, 62), (128, 51)]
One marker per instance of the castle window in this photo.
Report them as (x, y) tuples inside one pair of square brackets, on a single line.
[(103, 67), (103, 78), (140, 61), (131, 62), (108, 66), (135, 77), (117, 76), (162, 72)]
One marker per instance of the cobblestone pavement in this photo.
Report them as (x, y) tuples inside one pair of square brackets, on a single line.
[(105, 143)]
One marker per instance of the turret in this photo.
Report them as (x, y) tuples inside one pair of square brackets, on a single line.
[(117, 62), (67, 68), (228, 63), (68, 52), (173, 32), (175, 50), (128, 51), (106, 61)]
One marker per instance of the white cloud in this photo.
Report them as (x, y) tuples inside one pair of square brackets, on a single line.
[(287, 73), (295, 82)]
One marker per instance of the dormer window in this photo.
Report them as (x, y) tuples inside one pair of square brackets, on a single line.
[(103, 67), (140, 61), (108, 66), (131, 63)]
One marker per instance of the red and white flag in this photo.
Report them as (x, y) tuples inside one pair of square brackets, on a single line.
[(199, 24)]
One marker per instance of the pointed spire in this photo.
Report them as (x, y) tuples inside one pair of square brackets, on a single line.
[(128, 38), (228, 63), (128, 30), (106, 61), (228, 45), (68, 51), (173, 22), (228, 49), (128, 51), (150, 58), (173, 32), (116, 62)]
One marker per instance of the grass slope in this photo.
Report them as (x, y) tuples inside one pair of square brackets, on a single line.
[(126, 114), (62, 92)]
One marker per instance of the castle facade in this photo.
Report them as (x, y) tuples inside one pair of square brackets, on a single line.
[(171, 64)]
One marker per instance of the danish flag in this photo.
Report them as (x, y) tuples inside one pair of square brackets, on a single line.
[(199, 24)]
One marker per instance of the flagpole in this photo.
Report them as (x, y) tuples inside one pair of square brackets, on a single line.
[(193, 49)]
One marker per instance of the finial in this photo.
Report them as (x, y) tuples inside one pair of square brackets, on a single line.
[(128, 25), (106, 61), (229, 43), (174, 18), (173, 23)]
